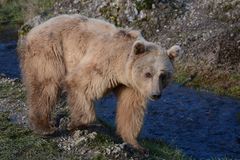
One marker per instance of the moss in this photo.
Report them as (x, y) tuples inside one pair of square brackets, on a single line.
[(24, 30), (112, 14), (12, 12), (9, 12), (103, 139), (20, 143), (159, 149), (13, 90), (99, 157), (221, 83), (144, 4), (225, 11), (227, 7)]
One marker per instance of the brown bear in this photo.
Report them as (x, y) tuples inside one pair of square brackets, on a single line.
[(90, 58)]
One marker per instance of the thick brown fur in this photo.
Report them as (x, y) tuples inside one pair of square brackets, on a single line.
[(89, 58)]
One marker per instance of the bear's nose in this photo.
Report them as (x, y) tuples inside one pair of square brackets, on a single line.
[(156, 96)]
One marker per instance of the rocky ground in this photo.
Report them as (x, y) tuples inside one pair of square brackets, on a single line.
[(98, 141)]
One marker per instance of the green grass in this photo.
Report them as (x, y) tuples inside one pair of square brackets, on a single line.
[(227, 84), (10, 12), (13, 90), (160, 150), (144, 4), (17, 11), (19, 143), (99, 157)]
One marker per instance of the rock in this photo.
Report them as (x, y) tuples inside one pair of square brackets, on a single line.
[(116, 149), (122, 145), (92, 135), (76, 134), (81, 140), (108, 151)]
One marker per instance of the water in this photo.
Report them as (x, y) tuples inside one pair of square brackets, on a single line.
[(200, 124), (9, 64), (8, 59)]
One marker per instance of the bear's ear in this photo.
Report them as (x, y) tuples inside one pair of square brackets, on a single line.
[(174, 51), (139, 48)]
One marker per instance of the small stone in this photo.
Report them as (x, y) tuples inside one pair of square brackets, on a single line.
[(97, 152), (153, 6), (122, 145), (108, 151), (116, 156), (76, 1), (76, 135), (142, 14), (83, 151), (92, 135), (116, 150), (85, 132), (81, 139)]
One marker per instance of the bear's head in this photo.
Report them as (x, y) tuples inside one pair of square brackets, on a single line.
[(151, 67)]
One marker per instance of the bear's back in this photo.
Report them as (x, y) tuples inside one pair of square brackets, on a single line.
[(68, 23)]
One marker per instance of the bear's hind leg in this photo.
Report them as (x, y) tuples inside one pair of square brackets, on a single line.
[(42, 97), (82, 111), (130, 113)]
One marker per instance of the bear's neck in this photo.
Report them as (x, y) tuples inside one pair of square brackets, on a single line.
[(121, 65)]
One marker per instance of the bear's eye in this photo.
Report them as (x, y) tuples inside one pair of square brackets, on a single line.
[(148, 75)]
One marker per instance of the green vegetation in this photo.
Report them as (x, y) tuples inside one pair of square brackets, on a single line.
[(226, 84), (160, 149), (112, 14), (225, 11), (99, 157), (157, 149), (20, 143), (104, 140), (16, 11), (144, 4), (12, 89)]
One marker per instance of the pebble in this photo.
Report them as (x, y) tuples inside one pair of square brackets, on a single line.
[(108, 151)]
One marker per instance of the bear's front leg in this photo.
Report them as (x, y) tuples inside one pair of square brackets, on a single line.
[(82, 111), (130, 114)]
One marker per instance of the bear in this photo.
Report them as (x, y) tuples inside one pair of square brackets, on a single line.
[(89, 58)]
